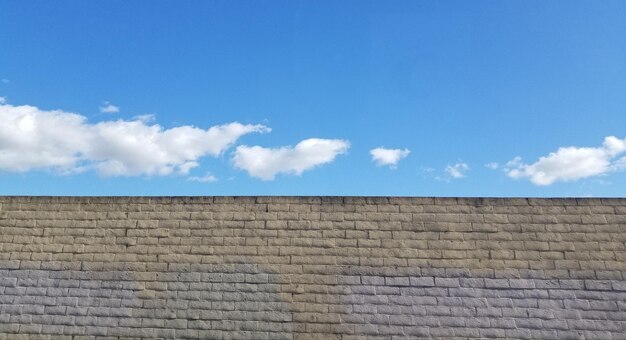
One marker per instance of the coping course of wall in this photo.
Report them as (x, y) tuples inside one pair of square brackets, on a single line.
[(312, 268)]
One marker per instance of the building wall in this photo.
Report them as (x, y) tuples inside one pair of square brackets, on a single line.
[(311, 267)]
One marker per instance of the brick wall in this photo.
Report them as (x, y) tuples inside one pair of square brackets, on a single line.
[(311, 267)]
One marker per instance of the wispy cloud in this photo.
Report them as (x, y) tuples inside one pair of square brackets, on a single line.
[(203, 179), (109, 108), (492, 165), (65, 142), (450, 172), (457, 170), (147, 118), (3, 100), (571, 163), (388, 157), (4, 80), (266, 163)]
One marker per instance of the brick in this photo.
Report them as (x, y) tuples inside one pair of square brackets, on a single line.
[(472, 282), (397, 281), (521, 283), (422, 281), (447, 282), (497, 283), (598, 284)]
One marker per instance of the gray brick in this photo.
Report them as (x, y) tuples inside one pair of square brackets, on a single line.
[(442, 332), (472, 282), (603, 305), (373, 280), (8, 281), (397, 281), (489, 312), (96, 331), (581, 324), (51, 329), (618, 285), (593, 315), (540, 313), (367, 290), (611, 326), (467, 332), (462, 292), (522, 283), (525, 303), (30, 329), (514, 313), (422, 281), (594, 294), (550, 304), (417, 331), (435, 291), (609, 275), (447, 282), (599, 335), (567, 334), (478, 322), (561, 294), (547, 284), (572, 284), (462, 311), (598, 284), (451, 321), (536, 294), (427, 321), (567, 314), (530, 323), (367, 329), (518, 334), (402, 320), (477, 302), (450, 301), (492, 333), (496, 283), (577, 304)]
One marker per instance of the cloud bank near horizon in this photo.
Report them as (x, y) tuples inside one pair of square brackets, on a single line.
[(64, 142)]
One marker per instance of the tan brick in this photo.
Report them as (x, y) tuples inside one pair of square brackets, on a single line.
[(503, 254), (542, 264)]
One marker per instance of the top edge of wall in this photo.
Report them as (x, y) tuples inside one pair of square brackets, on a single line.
[(318, 200)]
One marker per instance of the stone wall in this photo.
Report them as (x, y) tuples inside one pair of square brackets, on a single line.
[(311, 267)]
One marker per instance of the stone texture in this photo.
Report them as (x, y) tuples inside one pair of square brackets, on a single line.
[(311, 267)]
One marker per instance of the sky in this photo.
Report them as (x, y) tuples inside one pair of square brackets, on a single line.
[(392, 98)]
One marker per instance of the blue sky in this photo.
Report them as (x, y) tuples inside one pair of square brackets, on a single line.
[(460, 98)]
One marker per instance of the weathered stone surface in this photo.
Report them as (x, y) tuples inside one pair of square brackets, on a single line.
[(311, 267)]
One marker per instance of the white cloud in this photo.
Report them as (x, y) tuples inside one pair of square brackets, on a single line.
[(147, 118), (3, 100), (204, 179), (389, 157), (266, 163), (31, 138), (109, 108), (492, 165), (571, 163), (457, 170)]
